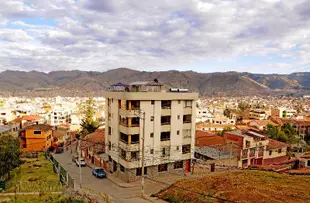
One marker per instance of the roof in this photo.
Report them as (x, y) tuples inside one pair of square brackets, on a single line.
[(119, 85), (275, 144), (213, 153), (207, 139), (17, 120), (4, 128), (32, 117), (152, 83), (306, 155), (96, 137), (264, 122), (43, 127)]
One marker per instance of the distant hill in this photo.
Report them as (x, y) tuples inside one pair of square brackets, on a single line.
[(73, 83)]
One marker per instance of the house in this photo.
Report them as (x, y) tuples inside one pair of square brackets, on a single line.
[(258, 114), (261, 125), (213, 127), (306, 159), (6, 115), (216, 155), (36, 137), (283, 112), (165, 118), (60, 115), (206, 139), (93, 149), (256, 148)]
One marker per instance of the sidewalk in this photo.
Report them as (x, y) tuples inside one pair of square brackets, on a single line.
[(117, 181)]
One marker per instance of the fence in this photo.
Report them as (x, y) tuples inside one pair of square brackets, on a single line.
[(64, 177)]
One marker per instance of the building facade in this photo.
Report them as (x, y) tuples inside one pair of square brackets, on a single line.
[(165, 120)]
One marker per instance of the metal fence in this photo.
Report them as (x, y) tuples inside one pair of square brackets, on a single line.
[(64, 177)]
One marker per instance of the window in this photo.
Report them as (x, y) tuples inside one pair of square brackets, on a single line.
[(135, 139), (187, 118), (123, 154), (247, 143), (124, 138), (165, 120), (152, 102), (122, 168), (139, 171), (279, 151), (162, 167), (178, 117), (165, 151), (152, 118), (188, 104), (166, 104), (270, 152), (177, 148), (37, 132), (164, 136), (179, 102), (110, 158), (178, 132), (110, 145), (110, 131), (178, 164), (152, 135), (186, 149), (152, 151), (134, 155), (308, 163)]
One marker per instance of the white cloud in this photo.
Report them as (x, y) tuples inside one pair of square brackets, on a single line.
[(104, 34)]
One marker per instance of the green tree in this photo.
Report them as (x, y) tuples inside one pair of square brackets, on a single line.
[(9, 154), (226, 129), (89, 124), (282, 137), (227, 112), (243, 106), (272, 131), (290, 132)]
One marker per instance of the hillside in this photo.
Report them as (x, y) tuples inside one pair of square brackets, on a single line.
[(240, 186), (75, 82)]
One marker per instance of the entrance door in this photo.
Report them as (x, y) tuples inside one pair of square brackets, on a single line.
[(187, 166)]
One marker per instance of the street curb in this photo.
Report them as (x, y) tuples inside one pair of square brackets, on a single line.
[(112, 179)]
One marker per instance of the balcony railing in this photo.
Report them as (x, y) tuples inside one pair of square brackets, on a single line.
[(165, 123), (187, 121), (166, 107), (252, 154), (244, 156)]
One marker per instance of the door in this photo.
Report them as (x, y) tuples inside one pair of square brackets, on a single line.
[(187, 166)]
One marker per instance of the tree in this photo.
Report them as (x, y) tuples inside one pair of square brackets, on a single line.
[(227, 112), (282, 137), (226, 129), (272, 131), (9, 154), (290, 132), (243, 106), (89, 124)]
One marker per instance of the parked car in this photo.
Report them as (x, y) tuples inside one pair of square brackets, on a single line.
[(59, 150), (74, 158), (99, 173), (80, 161)]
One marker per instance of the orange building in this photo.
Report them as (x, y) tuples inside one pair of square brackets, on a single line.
[(36, 137)]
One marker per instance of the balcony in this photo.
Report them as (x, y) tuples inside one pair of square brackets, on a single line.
[(129, 122), (244, 156), (252, 154), (166, 104), (164, 136), (187, 110), (129, 130), (260, 154)]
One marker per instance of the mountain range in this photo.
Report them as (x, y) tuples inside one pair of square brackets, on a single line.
[(78, 83)]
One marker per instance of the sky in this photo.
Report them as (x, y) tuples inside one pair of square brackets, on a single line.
[(258, 36)]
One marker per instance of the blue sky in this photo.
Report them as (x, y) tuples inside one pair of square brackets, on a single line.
[(213, 36)]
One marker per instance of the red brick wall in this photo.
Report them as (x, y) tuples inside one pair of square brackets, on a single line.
[(274, 160)]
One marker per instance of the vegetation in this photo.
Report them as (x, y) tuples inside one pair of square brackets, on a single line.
[(89, 124), (227, 112), (243, 106), (49, 198), (286, 134), (35, 174), (9, 155), (240, 186), (226, 129)]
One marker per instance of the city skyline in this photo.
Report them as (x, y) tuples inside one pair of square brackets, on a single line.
[(267, 36)]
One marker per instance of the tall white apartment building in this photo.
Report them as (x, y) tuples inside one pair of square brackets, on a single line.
[(166, 120), (60, 116)]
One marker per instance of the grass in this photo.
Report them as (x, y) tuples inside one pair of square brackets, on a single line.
[(48, 198), (34, 175), (241, 186)]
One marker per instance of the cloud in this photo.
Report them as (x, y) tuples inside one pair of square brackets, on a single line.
[(105, 34)]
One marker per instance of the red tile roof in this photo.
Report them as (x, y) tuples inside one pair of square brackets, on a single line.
[(32, 117), (274, 144), (207, 139), (43, 127)]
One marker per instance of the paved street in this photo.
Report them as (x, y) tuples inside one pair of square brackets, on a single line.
[(119, 194)]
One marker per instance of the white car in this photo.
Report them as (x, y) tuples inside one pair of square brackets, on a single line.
[(81, 161)]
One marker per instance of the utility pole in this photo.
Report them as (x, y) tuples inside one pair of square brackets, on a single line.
[(142, 161), (79, 160)]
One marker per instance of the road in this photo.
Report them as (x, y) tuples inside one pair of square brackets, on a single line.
[(118, 194)]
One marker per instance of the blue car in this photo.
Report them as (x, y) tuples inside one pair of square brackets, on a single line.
[(99, 173)]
